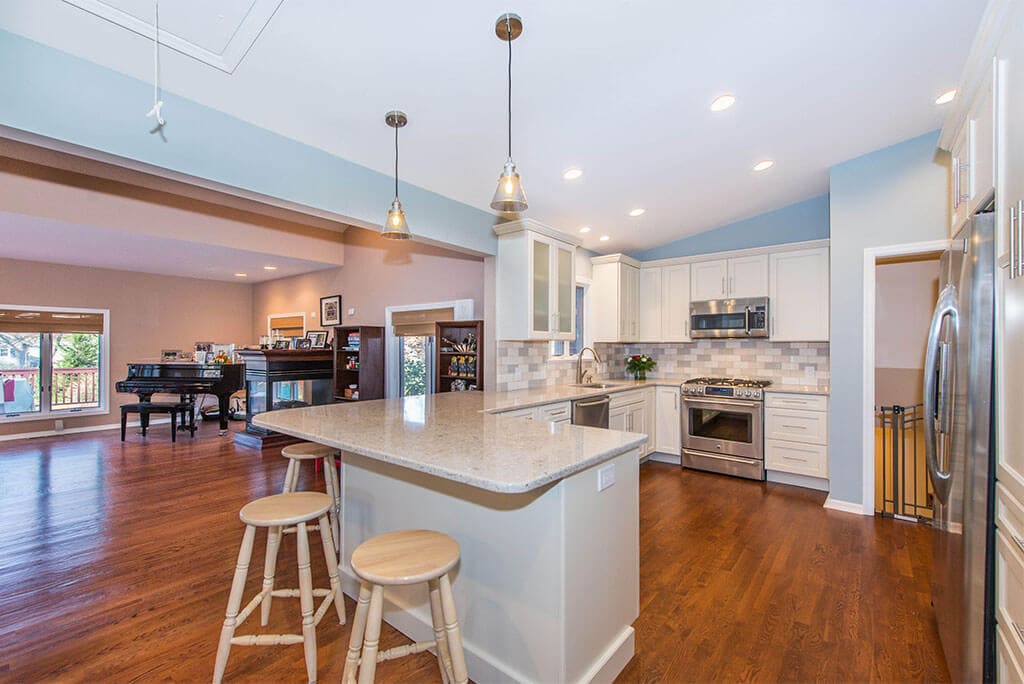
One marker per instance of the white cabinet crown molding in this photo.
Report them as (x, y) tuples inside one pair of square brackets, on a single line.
[(616, 259), (734, 253), (520, 225)]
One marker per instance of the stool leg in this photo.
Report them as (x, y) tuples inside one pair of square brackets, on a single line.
[(355, 641), (451, 626), (269, 571), (331, 483), (144, 421), (444, 657), (306, 601), (295, 476), (234, 603), (331, 558), (174, 426), (371, 638), (124, 423), (288, 476)]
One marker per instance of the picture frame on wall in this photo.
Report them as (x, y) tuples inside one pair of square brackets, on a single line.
[(330, 310), (317, 339)]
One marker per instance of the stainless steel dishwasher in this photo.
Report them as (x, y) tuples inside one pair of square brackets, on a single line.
[(592, 411)]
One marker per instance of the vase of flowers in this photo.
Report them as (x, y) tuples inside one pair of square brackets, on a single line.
[(639, 364)]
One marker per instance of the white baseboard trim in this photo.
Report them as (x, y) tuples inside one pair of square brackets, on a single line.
[(76, 430), (614, 660), (845, 506), (665, 458), (819, 483)]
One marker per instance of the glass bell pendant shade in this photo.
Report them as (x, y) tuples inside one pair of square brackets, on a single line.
[(395, 228), (510, 196)]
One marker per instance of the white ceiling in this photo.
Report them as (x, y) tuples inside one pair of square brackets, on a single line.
[(618, 87), (36, 238)]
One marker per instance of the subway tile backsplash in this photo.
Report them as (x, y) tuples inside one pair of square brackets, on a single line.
[(522, 365)]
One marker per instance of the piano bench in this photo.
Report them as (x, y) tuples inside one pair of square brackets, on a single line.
[(173, 408)]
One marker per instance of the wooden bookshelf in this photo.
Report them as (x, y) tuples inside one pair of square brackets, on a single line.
[(452, 367), (361, 365)]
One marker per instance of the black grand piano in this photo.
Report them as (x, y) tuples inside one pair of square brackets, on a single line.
[(183, 378)]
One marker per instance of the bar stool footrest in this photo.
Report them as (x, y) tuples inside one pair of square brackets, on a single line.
[(408, 649), (267, 640)]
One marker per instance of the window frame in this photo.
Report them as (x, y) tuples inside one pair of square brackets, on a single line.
[(588, 330), (46, 368)]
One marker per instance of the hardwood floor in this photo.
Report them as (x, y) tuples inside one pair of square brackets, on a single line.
[(116, 560)]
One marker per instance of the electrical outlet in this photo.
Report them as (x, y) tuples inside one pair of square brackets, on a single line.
[(605, 477), (58, 426), (352, 312)]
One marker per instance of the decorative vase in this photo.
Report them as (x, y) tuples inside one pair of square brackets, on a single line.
[(640, 375)]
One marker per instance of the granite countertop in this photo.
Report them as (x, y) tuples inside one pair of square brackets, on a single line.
[(453, 437), (798, 389)]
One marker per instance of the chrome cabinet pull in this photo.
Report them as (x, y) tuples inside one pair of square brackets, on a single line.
[(964, 196), (1018, 541), (723, 284), (1020, 235), (956, 182), (795, 427), (1018, 629), (1013, 239)]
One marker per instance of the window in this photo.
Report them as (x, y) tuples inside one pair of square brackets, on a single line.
[(416, 368), (570, 349), (52, 362)]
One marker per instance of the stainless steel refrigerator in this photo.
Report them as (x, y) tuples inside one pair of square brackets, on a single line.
[(960, 452)]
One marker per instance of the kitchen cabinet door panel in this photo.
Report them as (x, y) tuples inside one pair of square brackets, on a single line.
[(708, 280), (667, 425), (675, 303), (799, 300), (651, 302), (748, 277)]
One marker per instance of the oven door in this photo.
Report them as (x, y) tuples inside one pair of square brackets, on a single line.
[(723, 426)]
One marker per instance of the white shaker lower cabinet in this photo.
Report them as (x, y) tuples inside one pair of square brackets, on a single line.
[(633, 411), (798, 301), (667, 426), (796, 435)]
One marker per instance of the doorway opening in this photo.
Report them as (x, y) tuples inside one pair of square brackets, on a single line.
[(416, 365), (900, 290)]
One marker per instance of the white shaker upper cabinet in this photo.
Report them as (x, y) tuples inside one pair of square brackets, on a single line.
[(535, 282), (651, 305), (709, 280), (748, 276), (616, 296), (798, 303), (675, 303)]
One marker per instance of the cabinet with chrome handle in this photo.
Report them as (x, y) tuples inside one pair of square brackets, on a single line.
[(1016, 235)]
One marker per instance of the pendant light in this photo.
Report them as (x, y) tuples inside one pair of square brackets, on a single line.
[(510, 196), (395, 227)]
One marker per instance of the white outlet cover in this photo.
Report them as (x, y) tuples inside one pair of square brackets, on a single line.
[(605, 477), (351, 312)]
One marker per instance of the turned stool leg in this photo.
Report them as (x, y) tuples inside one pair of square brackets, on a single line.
[(331, 558), (444, 658), (371, 638), (234, 603), (355, 641), (331, 482), (451, 626), (288, 476), (306, 601), (269, 570)]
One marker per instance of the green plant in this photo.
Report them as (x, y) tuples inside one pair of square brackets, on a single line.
[(639, 364), (77, 350)]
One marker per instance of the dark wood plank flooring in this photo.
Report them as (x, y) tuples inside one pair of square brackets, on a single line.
[(116, 560)]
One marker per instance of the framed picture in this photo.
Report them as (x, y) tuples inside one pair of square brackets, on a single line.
[(283, 344), (317, 339), (330, 310), (302, 343), (169, 355)]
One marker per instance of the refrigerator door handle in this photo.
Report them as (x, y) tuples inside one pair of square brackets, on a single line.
[(936, 403)]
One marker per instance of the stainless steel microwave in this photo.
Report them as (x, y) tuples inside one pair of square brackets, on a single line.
[(740, 318)]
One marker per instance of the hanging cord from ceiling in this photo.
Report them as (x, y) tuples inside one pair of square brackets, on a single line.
[(396, 162), (157, 102), (508, 28)]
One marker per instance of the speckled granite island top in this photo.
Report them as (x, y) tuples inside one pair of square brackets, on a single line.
[(450, 436)]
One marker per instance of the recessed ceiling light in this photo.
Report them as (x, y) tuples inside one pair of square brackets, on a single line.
[(572, 173), (585, 229), (241, 275), (764, 165), (946, 97), (605, 238), (637, 212), (723, 102), (270, 268)]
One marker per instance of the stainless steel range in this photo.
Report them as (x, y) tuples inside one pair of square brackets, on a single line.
[(723, 426)]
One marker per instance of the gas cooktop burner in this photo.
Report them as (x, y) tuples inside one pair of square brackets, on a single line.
[(728, 382)]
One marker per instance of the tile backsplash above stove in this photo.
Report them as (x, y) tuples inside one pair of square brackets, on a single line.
[(523, 365)]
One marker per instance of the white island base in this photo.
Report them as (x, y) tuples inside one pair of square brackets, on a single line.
[(548, 585)]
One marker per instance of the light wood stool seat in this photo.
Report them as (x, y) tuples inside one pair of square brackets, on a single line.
[(275, 512), (311, 451), (395, 559)]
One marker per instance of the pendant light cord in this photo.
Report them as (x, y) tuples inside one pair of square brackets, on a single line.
[(508, 28), (396, 162), (157, 103)]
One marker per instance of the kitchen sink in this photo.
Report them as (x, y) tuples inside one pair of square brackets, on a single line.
[(595, 385)]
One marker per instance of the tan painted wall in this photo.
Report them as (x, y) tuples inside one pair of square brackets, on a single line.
[(378, 273), (147, 313), (905, 297)]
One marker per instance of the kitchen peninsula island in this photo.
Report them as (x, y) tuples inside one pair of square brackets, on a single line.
[(546, 516)]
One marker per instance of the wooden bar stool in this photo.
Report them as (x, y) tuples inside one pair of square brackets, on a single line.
[(275, 512), (311, 451), (399, 558)]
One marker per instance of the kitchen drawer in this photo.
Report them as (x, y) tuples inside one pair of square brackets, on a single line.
[(1010, 586), (1009, 513), (792, 457), (625, 398), (807, 427), (555, 412), (1008, 652), (804, 402)]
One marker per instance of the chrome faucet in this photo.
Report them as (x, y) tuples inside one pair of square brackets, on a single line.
[(579, 363)]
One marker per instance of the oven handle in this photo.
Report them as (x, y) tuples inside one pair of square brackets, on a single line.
[(721, 457), (746, 320), (711, 403)]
